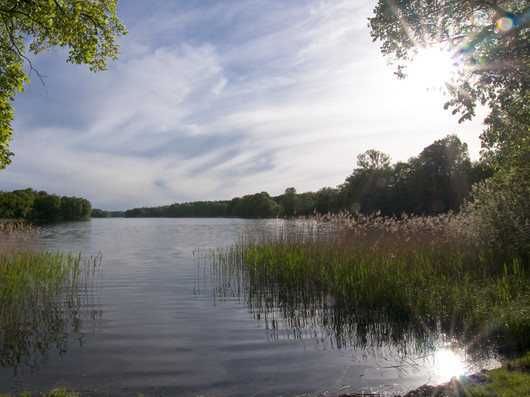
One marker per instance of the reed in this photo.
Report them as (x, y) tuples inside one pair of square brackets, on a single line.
[(425, 274), (43, 294)]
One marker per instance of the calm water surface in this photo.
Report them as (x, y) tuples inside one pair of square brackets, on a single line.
[(158, 326)]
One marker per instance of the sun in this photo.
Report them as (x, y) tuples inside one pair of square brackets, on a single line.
[(432, 68)]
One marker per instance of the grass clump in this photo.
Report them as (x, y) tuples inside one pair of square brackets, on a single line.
[(43, 294), (502, 382), (423, 274)]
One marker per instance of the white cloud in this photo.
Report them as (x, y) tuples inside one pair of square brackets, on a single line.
[(153, 94), (217, 101)]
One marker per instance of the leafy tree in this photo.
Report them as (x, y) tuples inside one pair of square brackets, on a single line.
[(73, 208), (490, 43), (501, 213), (233, 206), (26, 198), (47, 208), (373, 160), (437, 180), (402, 190), (439, 177), (99, 213), (259, 205), (8, 204), (366, 188), (326, 200), (88, 28), (17, 204), (479, 171), (289, 202), (306, 204)]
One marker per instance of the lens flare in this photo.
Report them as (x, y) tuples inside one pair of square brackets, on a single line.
[(479, 18), (504, 24)]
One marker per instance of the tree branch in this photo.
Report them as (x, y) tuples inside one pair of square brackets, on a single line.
[(13, 47)]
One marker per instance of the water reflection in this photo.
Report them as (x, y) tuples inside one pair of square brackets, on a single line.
[(305, 313), (30, 331), (309, 315)]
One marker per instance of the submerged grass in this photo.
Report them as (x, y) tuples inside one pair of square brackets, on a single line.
[(424, 273)]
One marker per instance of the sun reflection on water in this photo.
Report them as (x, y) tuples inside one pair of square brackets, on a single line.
[(449, 363)]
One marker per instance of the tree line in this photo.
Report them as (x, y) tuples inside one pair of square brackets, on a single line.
[(99, 213), (439, 179), (41, 207)]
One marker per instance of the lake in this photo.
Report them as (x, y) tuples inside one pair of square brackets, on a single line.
[(158, 323)]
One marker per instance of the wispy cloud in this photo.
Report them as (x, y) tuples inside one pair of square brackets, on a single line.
[(220, 99)]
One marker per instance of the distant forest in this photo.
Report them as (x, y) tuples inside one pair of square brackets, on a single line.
[(41, 207), (438, 180)]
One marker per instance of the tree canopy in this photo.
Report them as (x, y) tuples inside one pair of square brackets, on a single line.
[(42, 207), (438, 180), (489, 41), (88, 28), (373, 159)]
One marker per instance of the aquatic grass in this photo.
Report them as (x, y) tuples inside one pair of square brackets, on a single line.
[(42, 294), (41, 277), (16, 238), (420, 273)]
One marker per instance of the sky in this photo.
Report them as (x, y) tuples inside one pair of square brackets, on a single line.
[(211, 100)]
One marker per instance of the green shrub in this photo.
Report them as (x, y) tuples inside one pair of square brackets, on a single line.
[(500, 212)]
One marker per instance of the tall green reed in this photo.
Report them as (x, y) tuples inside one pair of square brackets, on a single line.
[(43, 295), (420, 274)]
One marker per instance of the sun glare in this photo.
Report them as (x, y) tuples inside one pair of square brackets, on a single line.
[(431, 68), (449, 363)]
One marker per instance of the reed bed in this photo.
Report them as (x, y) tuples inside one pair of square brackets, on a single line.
[(42, 295), (361, 273)]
